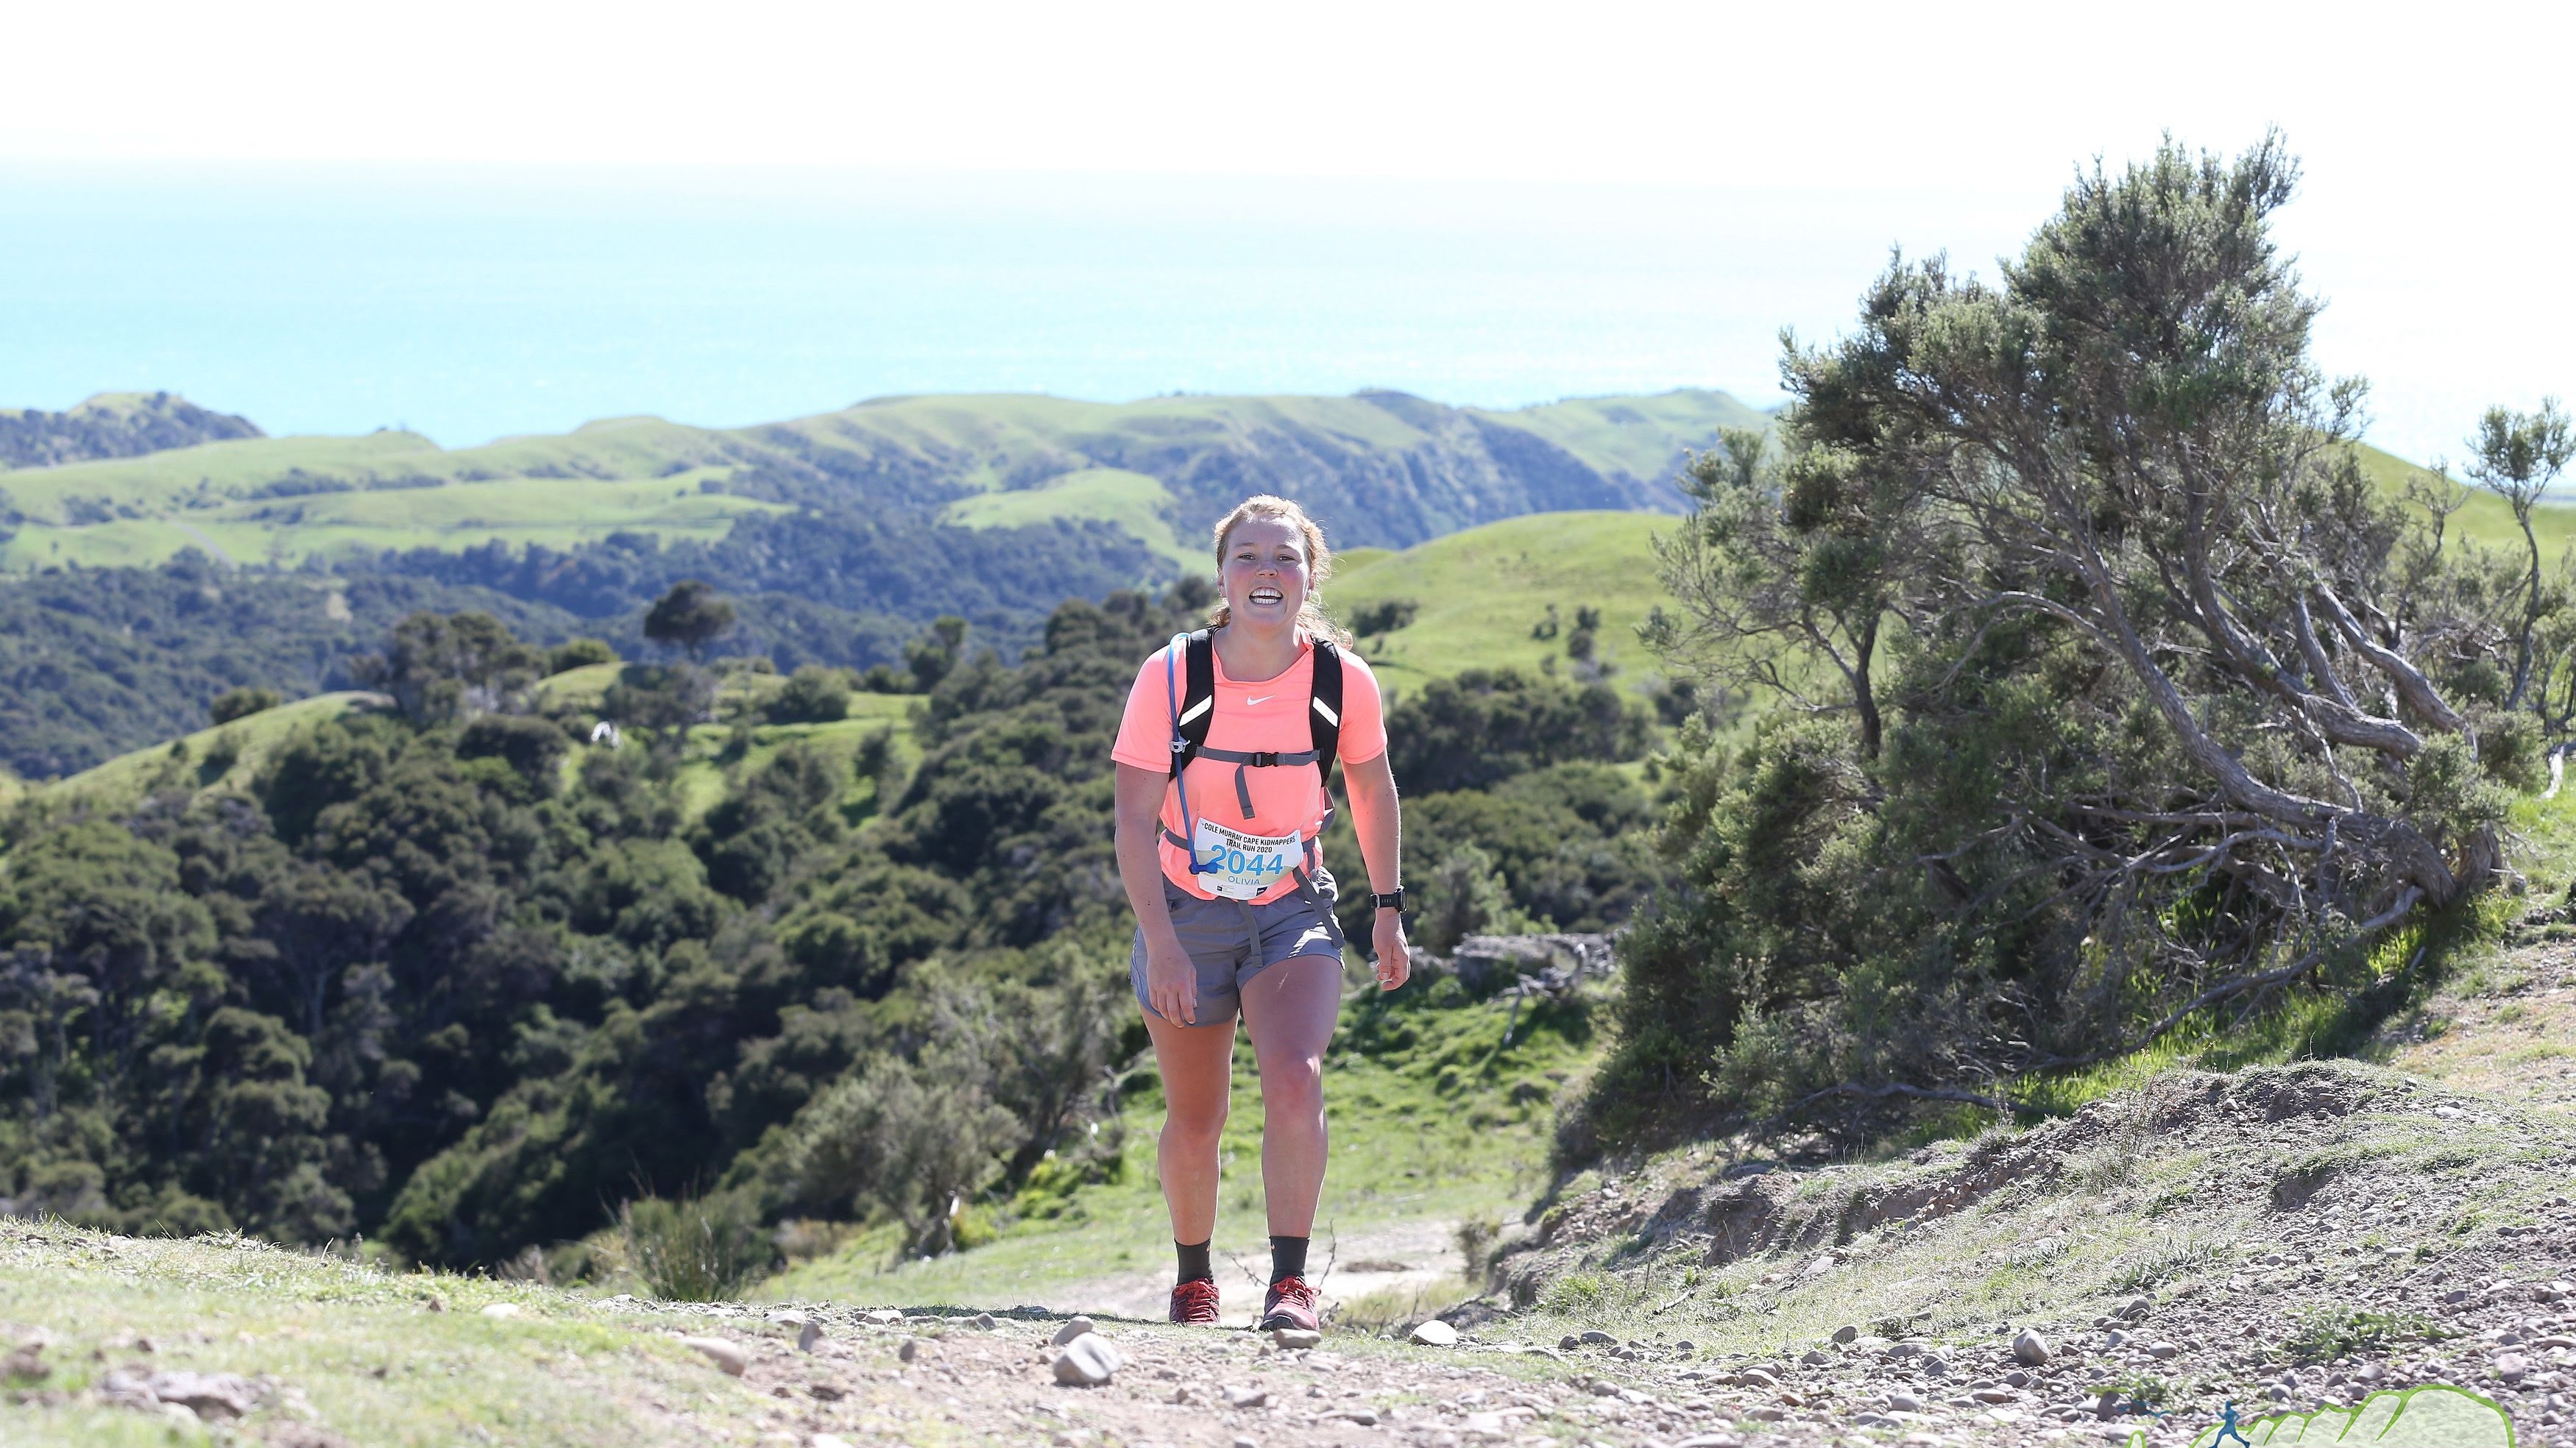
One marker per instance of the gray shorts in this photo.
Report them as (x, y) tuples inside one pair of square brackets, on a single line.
[(1231, 941)]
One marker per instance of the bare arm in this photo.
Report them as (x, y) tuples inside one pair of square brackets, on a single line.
[(1376, 819), (1171, 984)]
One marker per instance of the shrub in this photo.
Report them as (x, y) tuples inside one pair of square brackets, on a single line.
[(579, 654), (935, 653), (439, 667), (695, 1251), (919, 1139), (241, 703), (2326, 1333), (2060, 756), (1384, 616), (532, 747), (812, 695), (1464, 897), (1476, 1236), (221, 756), (653, 697)]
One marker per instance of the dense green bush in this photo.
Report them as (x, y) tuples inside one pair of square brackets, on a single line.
[(811, 695), (579, 653), (1488, 725), (1385, 616), (241, 703)]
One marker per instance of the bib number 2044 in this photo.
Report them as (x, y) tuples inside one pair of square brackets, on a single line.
[(1245, 864)]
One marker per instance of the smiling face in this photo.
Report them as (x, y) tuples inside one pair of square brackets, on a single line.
[(1264, 572)]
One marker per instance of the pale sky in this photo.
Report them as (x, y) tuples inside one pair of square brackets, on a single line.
[(2435, 137)]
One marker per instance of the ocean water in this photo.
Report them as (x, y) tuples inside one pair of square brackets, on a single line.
[(472, 304)]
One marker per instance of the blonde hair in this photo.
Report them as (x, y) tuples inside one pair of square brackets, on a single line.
[(1319, 563)]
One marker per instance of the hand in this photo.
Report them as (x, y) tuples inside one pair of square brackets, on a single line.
[(1171, 980), (1394, 957)]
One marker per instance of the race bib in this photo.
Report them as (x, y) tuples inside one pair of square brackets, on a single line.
[(1245, 865)]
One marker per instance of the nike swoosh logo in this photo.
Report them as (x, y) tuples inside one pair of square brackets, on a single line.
[(1264, 699)]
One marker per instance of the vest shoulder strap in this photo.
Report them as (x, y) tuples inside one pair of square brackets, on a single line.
[(1198, 698), (1324, 716)]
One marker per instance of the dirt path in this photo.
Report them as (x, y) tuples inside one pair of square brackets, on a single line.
[(1413, 1255), (967, 1380)]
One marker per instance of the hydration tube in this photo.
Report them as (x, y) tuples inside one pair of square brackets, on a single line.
[(1180, 771)]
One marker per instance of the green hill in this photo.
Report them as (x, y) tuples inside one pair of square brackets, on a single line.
[(2483, 519), (1382, 467), (1482, 596), (227, 756)]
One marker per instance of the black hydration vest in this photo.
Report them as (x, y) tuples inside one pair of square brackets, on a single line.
[(1198, 710)]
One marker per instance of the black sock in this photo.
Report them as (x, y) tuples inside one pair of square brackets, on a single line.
[(1287, 1257), (1194, 1262)]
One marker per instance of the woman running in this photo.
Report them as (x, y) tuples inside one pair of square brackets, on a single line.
[(1224, 756)]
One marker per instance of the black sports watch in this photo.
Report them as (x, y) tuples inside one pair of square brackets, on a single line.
[(1392, 900)]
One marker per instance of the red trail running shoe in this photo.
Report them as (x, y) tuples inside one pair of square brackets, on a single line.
[(1290, 1303), (1195, 1302)]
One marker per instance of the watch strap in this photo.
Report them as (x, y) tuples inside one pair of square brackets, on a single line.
[(1393, 900)]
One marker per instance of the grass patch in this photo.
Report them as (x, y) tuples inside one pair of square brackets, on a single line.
[(225, 756), (2325, 1333), (1138, 503), (2144, 1389), (382, 1357), (2169, 1260), (2401, 968), (1580, 1294)]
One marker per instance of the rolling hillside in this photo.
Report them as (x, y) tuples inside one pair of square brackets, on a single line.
[(1479, 594), (1482, 595), (2484, 519), (1382, 468)]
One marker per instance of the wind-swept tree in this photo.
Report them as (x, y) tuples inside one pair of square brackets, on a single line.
[(2128, 439), (2110, 697)]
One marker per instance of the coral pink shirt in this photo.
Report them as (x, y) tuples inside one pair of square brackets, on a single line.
[(1269, 715)]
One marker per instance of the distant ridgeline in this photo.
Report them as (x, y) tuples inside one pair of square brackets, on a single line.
[(112, 425), (1381, 469), (838, 536)]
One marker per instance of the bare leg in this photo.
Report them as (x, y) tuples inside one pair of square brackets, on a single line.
[(1290, 1009), (1197, 1063)]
